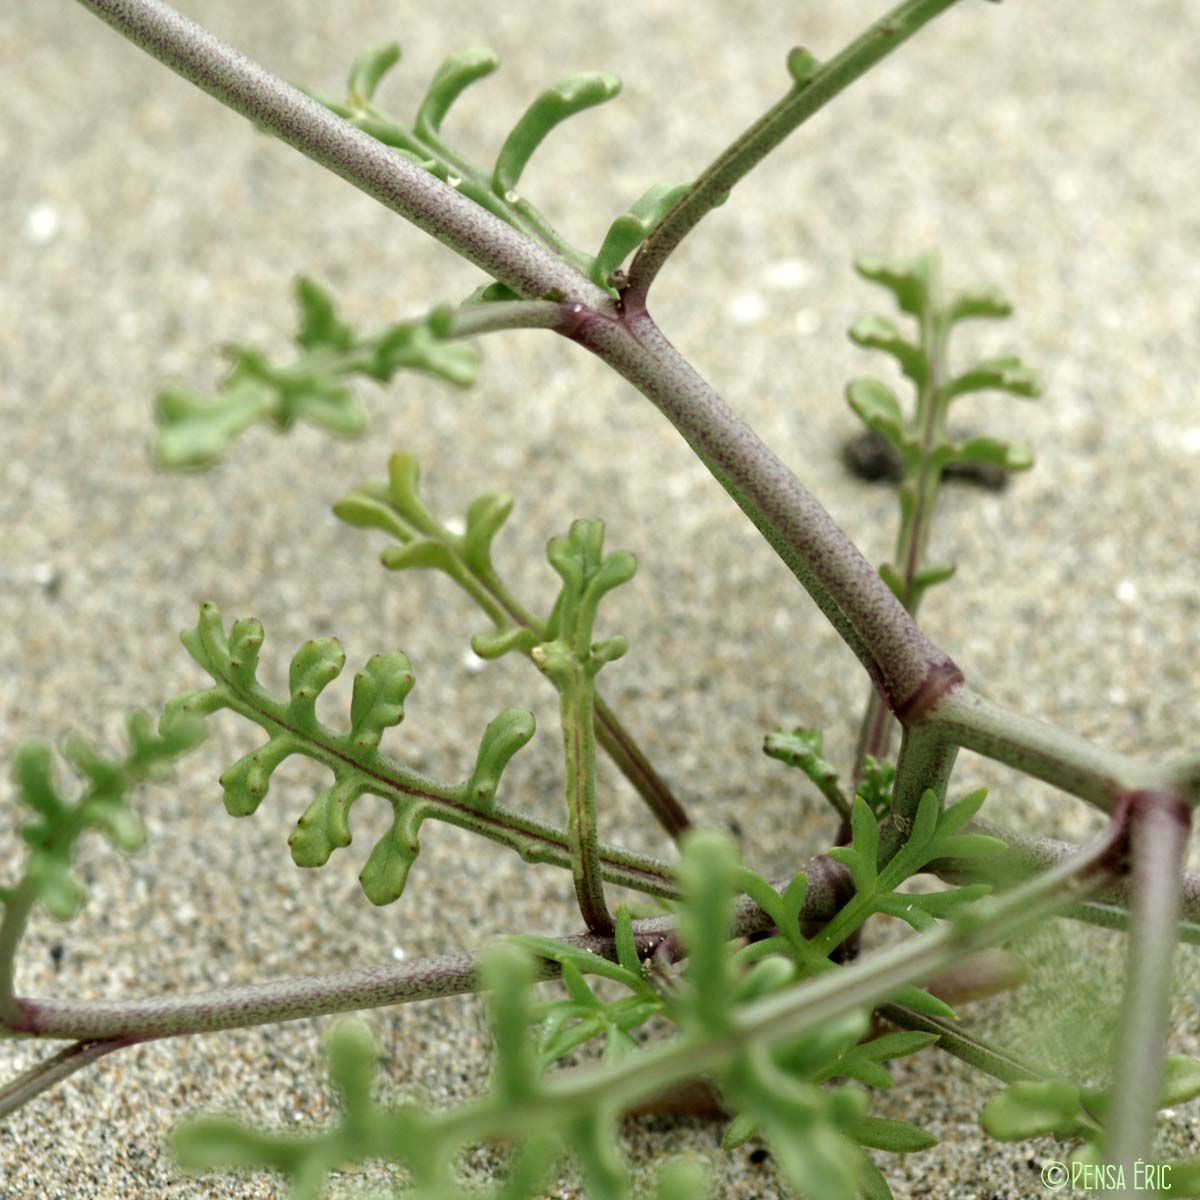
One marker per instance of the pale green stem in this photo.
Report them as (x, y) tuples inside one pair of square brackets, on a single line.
[(497, 315), (718, 179), (922, 482), (1160, 829), (1055, 756), (1028, 854), (579, 750), (926, 761), (12, 929)]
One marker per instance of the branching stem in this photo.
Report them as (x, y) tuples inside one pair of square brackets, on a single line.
[(841, 581), (1030, 853), (803, 101)]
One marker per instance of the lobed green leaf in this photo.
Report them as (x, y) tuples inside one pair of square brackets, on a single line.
[(103, 805), (908, 283), (195, 430), (878, 333), (354, 758)]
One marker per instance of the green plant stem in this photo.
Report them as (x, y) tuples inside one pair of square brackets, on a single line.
[(964, 1045), (485, 587), (579, 750), (245, 1005), (17, 910), (1030, 853), (1160, 829), (493, 597), (921, 484), (926, 761), (803, 101), (494, 316), (528, 267), (1055, 756)]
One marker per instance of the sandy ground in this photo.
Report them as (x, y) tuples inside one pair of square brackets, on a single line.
[(1049, 149)]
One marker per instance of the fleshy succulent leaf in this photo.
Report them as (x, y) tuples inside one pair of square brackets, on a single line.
[(368, 70), (456, 73), (396, 508), (1181, 1080), (1011, 456), (907, 283), (802, 65), (503, 737), (587, 575), (875, 404), (566, 98), (898, 1137), (1033, 1108), (875, 787), (320, 327), (632, 228), (978, 302), (804, 749), (878, 333)]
